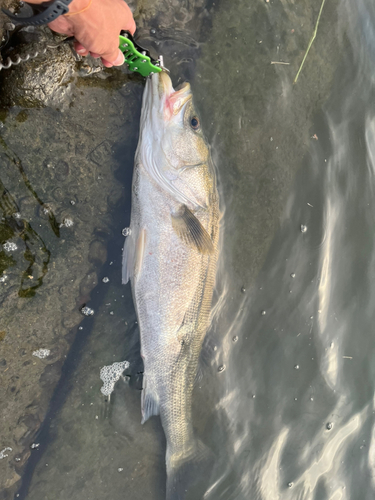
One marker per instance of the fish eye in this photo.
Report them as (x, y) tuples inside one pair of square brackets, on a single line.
[(194, 122)]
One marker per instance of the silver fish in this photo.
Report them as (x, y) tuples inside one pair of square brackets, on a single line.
[(170, 256)]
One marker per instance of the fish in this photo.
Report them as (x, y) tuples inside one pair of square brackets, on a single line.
[(170, 257)]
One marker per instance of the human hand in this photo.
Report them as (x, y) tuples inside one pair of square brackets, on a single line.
[(96, 25)]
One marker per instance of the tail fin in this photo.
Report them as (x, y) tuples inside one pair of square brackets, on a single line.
[(187, 477)]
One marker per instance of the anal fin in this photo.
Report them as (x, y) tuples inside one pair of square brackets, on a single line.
[(150, 401)]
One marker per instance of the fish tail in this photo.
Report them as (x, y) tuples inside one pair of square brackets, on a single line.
[(187, 476)]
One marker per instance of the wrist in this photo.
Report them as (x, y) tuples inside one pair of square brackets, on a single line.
[(75, 6), (78, 6), (36, 2), (43, 12)]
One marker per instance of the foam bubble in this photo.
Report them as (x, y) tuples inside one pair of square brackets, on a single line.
[(110, 375), (9, 246), (42, 353), (3, 453), (87, 311), (68, 222)]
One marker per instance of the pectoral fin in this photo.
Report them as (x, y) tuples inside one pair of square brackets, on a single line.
[(140, 251), (132, 257), (128, 257), (190, 230)]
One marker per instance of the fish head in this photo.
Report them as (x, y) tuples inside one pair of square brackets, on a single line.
[(171, 136), (183, 141)]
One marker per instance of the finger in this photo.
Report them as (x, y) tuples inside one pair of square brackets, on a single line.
[(129, 23), (94, 55), (80, 49), (118, 61), (131, 27), (107, 64), (111, 53)]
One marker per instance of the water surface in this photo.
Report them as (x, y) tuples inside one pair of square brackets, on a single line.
[(291, 414)]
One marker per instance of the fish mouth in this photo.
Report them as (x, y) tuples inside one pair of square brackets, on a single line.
[(166, 87), (171, 100)]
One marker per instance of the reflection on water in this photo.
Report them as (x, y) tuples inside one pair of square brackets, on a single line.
[(298, 391), (286, 399)]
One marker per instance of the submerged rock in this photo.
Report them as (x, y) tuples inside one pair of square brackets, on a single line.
[(4, 20), (45, 80)]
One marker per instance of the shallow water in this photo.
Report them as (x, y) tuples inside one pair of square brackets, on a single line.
[(291, 415)]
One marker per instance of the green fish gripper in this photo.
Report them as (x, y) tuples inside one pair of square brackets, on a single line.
[(137, 58)]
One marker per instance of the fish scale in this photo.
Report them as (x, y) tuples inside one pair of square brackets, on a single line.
[(170, 257)]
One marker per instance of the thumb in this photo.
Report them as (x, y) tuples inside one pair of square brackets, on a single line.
[(115, 58)]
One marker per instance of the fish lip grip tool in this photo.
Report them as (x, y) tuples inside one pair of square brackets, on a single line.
[(137, 58)]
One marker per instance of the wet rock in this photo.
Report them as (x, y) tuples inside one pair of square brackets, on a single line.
[(97, 252), (85, 212), (4, 20), (20, 431), (31, 422), (73, 320), (102, 232), (58, 194), (115, 196), (46, 209), (37, 82), (12, 479), (51, 374), (61, 170), (88, 283), (101, 153), (27, 206), (21, 459)]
